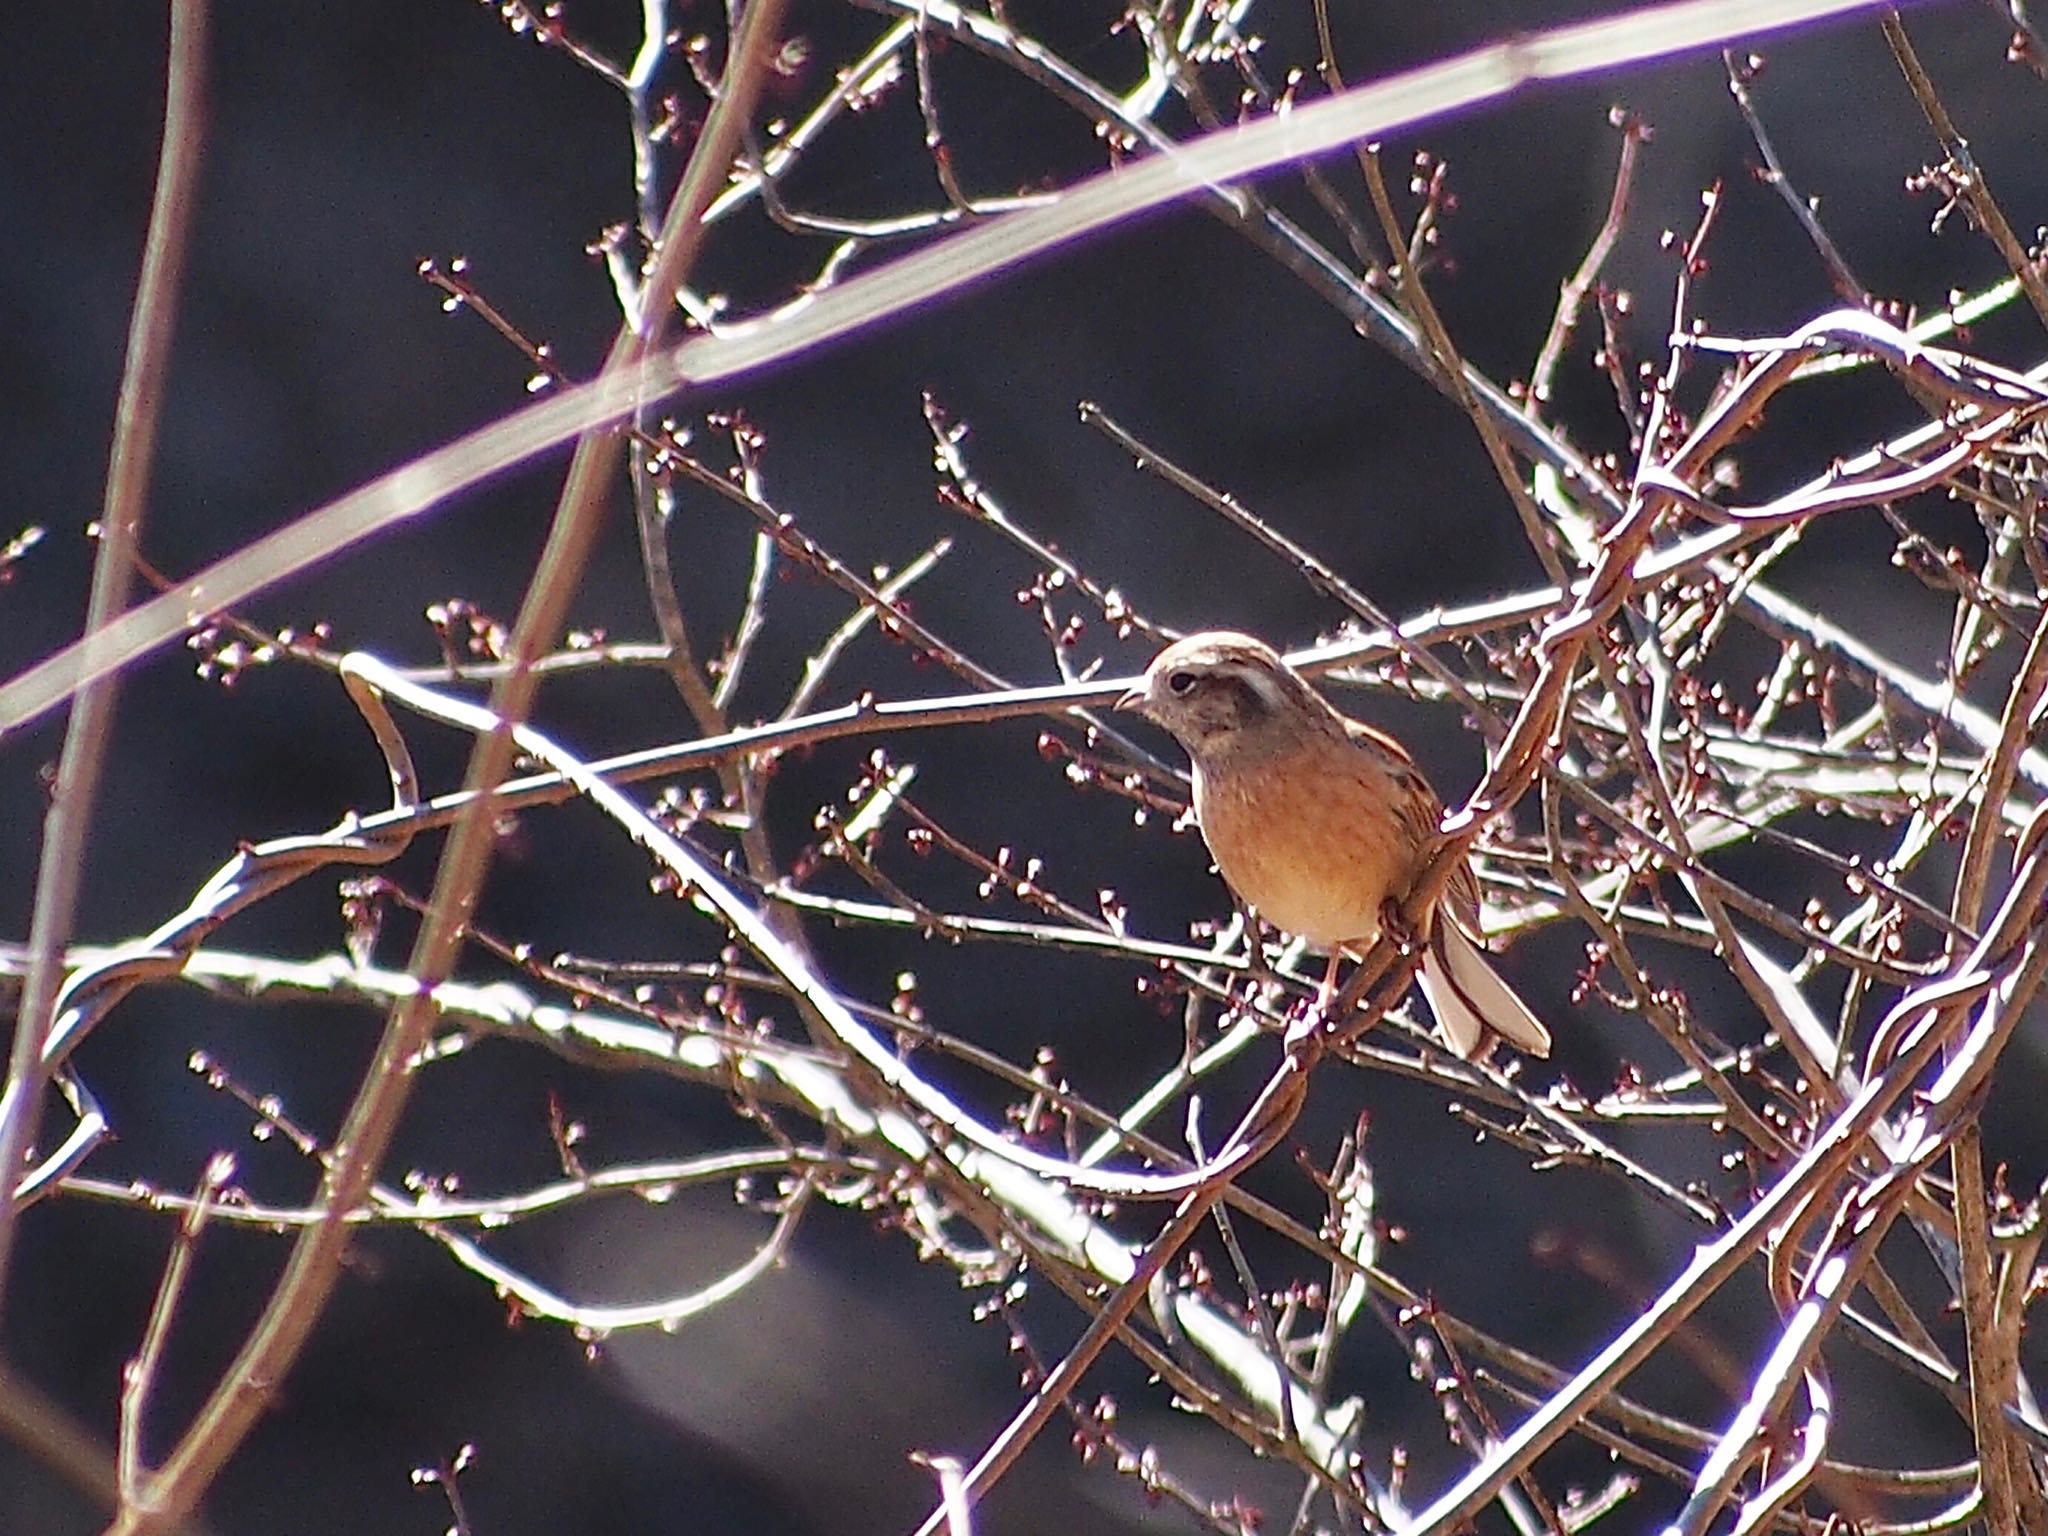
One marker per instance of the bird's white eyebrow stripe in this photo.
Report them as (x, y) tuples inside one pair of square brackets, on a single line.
[(1269, 689)]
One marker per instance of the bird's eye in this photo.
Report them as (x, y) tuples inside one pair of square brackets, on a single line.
[(1182, 683)]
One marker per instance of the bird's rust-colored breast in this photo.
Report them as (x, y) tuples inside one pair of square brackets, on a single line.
[(1314, 845)]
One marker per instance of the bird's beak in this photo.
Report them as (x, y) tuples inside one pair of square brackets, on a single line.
[(1131, 700)]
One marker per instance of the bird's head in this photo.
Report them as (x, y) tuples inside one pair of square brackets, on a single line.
[(1221, 690)]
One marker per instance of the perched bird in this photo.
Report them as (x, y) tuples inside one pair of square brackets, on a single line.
[(1316, 821)]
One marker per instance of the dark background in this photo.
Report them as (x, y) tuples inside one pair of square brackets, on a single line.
[(348, 142)]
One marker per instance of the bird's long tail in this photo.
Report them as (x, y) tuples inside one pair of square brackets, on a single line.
[(1472, 1004)]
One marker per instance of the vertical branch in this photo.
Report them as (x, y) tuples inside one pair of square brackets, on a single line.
[(639, 98), (295, 1305), (654, 496), (85, 738), (2013, 1500)]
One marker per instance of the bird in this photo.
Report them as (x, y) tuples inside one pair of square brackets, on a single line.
[(1316, 821)]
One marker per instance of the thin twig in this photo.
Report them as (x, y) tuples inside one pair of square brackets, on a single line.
[(139, 1377), (1968, 181), (1571, 298)]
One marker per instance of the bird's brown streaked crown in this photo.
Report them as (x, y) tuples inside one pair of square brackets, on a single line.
[(1225, 691)]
